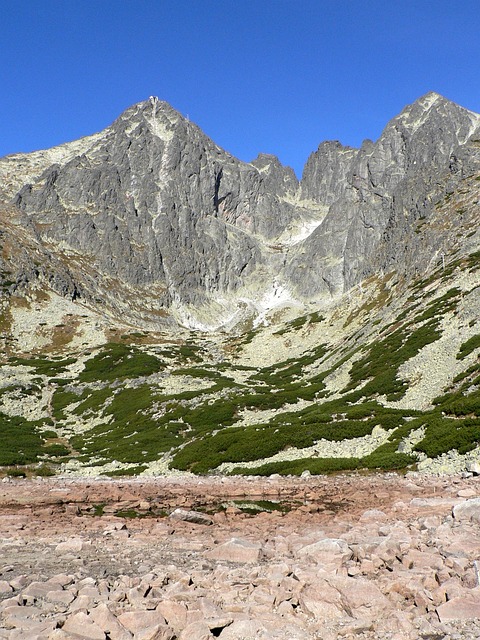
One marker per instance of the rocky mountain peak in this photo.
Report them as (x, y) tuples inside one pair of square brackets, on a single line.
[(436, 118), (152, 116), (152, 205)]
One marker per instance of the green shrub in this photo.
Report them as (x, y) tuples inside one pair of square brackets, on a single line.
[(92, 401), (469, 346), (385, 458), (60, 401), (56, 450), (244, 444), (44, 366), (380, 365), (44, 471), (17, 473), (190, 352), (48, 434), (130, 471), (443, 434), (21, 441), (131, 435), (316, 466), (118, 361)]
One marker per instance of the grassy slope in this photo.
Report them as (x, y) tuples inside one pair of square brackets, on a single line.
[(134, 403)]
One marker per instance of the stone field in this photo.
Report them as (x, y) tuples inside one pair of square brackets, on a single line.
[(359, 556)]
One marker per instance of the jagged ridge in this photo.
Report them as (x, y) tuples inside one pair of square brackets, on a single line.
[(151, 219)]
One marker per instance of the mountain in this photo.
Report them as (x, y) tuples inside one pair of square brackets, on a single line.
[(165, 305), (151, 209)]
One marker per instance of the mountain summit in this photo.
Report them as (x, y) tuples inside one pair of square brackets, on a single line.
[(150, 219)]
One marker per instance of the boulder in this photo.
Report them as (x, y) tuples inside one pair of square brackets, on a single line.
[(37, 631), (474, 467), (194, 517), (5, 588), (175, 613), (37, 590), (322, 601), (373, 515), (236, 550), (360, 598), (467, 510), (21, 617), (139, 620), (241, 629), (329, 550), (467, 493), (73, 545), (61, 579), (196, 631), (60, 596), (82, 626), (106, 620), (460, 608)]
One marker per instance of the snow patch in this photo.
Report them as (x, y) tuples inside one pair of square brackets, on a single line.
[(277, 296), (215, 317), (292, 236), (225, 313)]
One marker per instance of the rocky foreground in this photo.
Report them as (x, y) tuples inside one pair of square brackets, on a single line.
[(352, 557)]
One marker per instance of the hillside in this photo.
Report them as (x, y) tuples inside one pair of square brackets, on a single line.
[(167, 308)]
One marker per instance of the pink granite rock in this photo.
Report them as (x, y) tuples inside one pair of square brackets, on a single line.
[(36, 590), (61, 580), (196, 631), (106, 620), (158, 632), (236, 550), (383, 580), (22, 617), (37, 631), (5, 587), (82, 603), (60, 597), (459, 609), (327, 551), (80, 625), (194, 517), (73, 545), (140, 620), (240, 629), (467, 510), (322, 601), (360, 598), (175, 613), (373, 515)]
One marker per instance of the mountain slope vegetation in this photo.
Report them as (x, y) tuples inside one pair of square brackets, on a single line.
[(275, 326)]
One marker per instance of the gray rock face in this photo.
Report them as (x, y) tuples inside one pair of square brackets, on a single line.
[(377, 194), (325, 176), (153, 201), (152, 208)]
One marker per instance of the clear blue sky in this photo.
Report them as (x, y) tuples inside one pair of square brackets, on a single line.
[(272, 76)]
